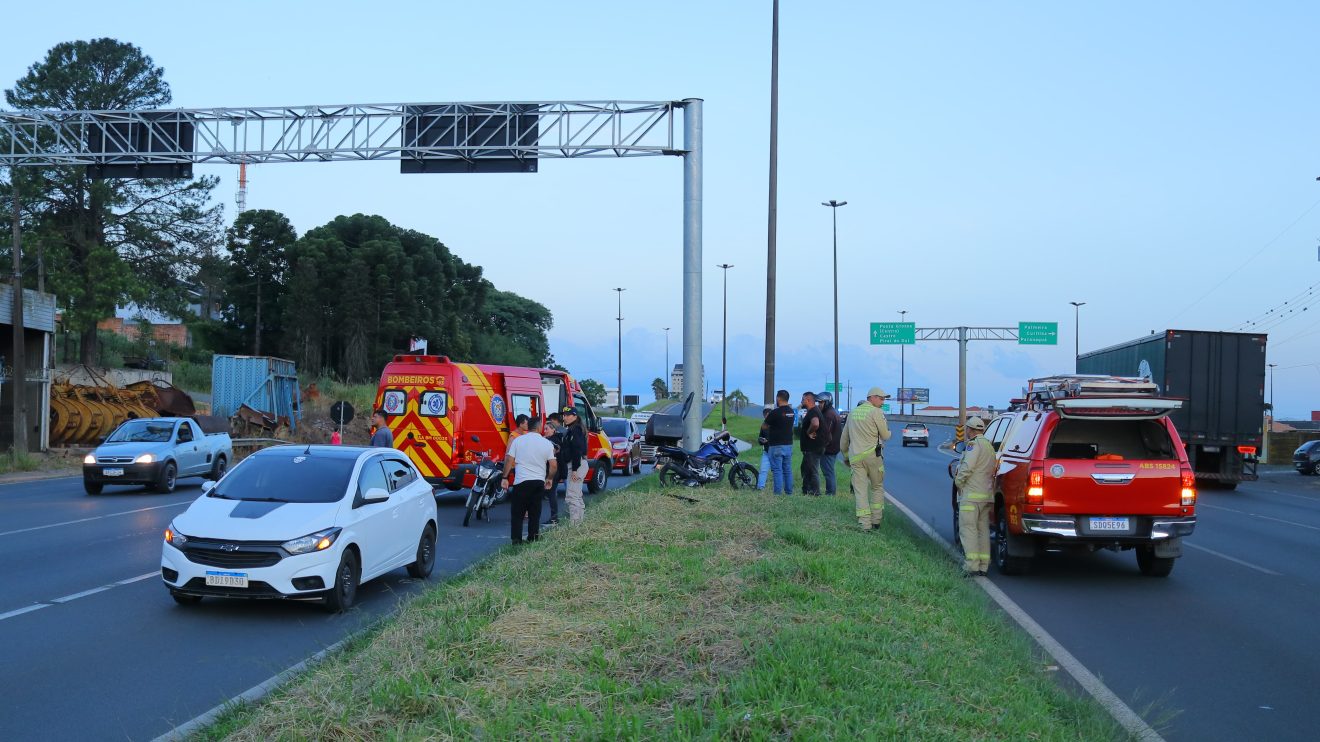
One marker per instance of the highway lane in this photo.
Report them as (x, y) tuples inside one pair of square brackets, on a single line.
[(1222, 649), (91, 645)]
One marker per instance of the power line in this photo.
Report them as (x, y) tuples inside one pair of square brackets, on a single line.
[(1271, 313)]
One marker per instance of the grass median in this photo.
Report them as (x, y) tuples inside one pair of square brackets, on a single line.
[(741, 616)]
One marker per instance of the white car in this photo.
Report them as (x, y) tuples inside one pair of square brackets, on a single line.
[(915, 433), (302, 523)]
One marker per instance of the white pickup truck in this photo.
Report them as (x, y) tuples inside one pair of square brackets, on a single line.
[(157, 452)]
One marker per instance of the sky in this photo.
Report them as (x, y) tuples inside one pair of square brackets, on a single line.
[(1156, 161)]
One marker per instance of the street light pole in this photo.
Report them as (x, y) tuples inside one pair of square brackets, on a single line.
[(772, 211), (834, 214), (902, 365), (724, 354), (618, 397), (668, 377), (1077, 335)]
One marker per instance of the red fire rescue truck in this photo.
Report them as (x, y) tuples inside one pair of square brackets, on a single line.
[(445, 414)]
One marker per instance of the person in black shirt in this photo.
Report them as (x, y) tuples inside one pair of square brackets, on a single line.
[(832, 431), (812, 444), (778, 433)]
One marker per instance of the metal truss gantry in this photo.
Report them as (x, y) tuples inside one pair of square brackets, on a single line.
[(963, 335), (395, 131), (424, 137)]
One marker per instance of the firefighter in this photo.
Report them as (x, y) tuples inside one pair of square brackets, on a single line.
[(976, 479), (862, 444)]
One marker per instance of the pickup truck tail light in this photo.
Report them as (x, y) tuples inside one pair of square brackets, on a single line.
[(1036, 486), (1188, 488)]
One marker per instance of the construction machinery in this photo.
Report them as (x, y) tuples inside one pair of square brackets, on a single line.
[(82, 414)]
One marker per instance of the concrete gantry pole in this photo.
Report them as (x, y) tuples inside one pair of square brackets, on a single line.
[(693, 372)]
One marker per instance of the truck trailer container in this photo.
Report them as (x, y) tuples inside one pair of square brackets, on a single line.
[(1221, 378)]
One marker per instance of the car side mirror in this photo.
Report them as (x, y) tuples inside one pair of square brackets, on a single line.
[(475, 438), (960, 446), (207, 486), (375, 495)]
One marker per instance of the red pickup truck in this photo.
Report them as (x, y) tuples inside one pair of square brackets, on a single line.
[(1090, 463)]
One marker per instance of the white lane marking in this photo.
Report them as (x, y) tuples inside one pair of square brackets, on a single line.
[(1262, 517), (1235, 560), (95, 517), (21, 611), (75, 596), (1122, 713)]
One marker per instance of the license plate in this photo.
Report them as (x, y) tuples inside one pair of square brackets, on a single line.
[(113, 472), (1109, 524), (226, 579)]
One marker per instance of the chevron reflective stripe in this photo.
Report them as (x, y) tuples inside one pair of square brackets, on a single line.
[(435, 458), (481, 386)]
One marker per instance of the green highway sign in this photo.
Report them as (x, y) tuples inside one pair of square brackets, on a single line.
[(893, 333), (1038, 333), (833, 388)]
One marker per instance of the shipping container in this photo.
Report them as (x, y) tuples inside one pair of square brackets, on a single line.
[(1221, 378), (267, 385)]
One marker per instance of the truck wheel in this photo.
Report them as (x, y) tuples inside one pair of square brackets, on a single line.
[(92, 488), (219, 468), (1005, 563), (168, 478), (1153, 566), (600, 478)]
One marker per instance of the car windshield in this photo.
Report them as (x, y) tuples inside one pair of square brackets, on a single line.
[(287, 477), (615, 428), (916, 426), (142, 431)]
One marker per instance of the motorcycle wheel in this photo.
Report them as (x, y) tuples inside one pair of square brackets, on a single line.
[(471, 506), (667, 477), (742, 476)]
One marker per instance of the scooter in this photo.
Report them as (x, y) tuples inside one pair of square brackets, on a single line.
[(705, 465), (487, 491)]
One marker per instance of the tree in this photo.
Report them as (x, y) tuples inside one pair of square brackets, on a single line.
[(258, 244), (659, 389), (594, 391), (110, 242), (737, 400)]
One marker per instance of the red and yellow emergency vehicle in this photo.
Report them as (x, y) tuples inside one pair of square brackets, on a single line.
[(445, 414)]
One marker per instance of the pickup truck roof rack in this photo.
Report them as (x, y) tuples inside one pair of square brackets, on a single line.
[(1043, 392)]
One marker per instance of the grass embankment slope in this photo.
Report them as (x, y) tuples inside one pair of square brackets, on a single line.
[(741, 616)]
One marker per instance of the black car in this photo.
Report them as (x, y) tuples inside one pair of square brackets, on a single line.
[(1306, 458)]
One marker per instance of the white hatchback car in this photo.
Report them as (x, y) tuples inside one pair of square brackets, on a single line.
[(302, 522)]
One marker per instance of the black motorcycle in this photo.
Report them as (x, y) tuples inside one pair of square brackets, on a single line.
[(487, 491), (705, 465)]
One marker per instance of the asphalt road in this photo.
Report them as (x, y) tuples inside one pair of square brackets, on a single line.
[(1225, 648), (91, 645)]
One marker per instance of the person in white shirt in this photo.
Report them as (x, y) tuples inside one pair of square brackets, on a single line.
[(529, 469)]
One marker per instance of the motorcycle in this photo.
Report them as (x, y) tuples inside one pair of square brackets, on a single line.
[(487, 491), (705, 465)]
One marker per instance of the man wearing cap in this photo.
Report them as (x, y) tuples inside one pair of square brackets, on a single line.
[(574, 451), (862, 445), (975, 479)]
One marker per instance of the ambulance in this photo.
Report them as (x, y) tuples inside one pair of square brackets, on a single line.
[(445, 415)]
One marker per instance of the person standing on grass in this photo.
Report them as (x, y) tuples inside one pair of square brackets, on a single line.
[(778, 432), (812, 445), (383, 437), (574, 454), (556, 438), (832, 432), (529, 469), (975, 478), (763, 475), (863, 452)]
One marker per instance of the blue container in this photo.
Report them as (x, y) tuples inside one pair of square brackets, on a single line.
[(268, 385)]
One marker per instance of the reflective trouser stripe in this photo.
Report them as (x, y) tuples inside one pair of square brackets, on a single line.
[(975, 497), (967, 508), (864, 513)]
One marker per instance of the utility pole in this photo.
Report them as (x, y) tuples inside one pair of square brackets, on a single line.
[(618, 397), (1265, 439), (724, 354), (902, 364), (1077, 334), (18, 376), (834, 213), (772, 213)]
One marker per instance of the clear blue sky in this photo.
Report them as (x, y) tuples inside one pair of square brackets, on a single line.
[(998, 162)]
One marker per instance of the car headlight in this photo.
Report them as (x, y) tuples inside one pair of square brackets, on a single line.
[(620, 446), (145, 458), (174, 538), (89, 459), (319, 541)]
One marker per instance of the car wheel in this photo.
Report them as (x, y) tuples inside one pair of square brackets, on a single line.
[(1005, 563), (219, 468), (637, 465), (1151, 565), (183, 599), (421, 569), (344, 592), (599, 479), (168, 478), (92, 488)]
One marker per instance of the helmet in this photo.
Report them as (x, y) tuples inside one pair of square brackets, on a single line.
[(825, 398)]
